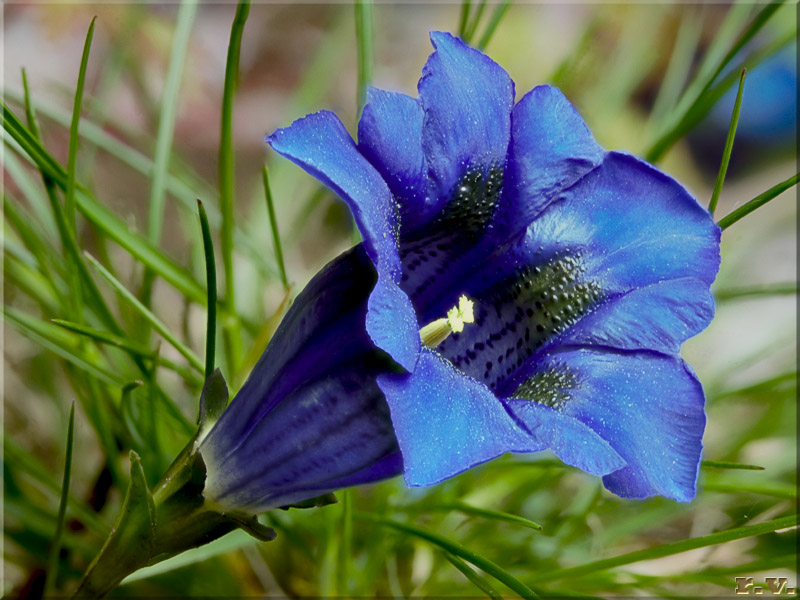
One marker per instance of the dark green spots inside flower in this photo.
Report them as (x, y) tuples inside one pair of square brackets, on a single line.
[(520, 315), (551, 387), (428, 253)]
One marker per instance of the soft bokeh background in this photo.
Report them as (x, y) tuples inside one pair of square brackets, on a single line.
[(613, 62)]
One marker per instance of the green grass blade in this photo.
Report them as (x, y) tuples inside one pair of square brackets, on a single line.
[(475, 579), (226, 177), (154, 321), (184, 188), (55, 545), (463, 19), (485, 513), (364, 45), (757, 202), (458, 550), (130, 346), (499, 12), (166, 120), (773, 489), (72, 156), (720, 537), (18, 459), (48, 336), (773, 289), (680, 62), (702, 101), (273, 224), (726, 154), (476, 19), (211, 286), (715, 464)]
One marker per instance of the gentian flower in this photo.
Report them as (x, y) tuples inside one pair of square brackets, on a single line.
[(568, 277)]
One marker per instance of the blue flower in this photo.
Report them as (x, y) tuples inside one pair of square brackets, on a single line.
[(587, 269)]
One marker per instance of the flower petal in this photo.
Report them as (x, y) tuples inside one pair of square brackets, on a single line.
[(572, 441), (551, 148), (324, 434), (647, 406), (467, 99), (445, 422), (659, 317), (320, 144), (639, 226), (390, 137)]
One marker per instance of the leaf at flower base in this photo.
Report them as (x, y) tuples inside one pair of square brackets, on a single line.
[(130, 544), (213, 399), (323, 500)]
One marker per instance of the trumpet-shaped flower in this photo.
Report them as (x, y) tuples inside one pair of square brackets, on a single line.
[(559, 281)]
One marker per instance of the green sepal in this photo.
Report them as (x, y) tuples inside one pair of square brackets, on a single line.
[(131, 541), (213, 399), (315, 502), (254, 527)]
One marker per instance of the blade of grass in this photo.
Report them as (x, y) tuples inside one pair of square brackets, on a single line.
[(28, 280), (211, 286), (476, 18), (499, 12), (72, 152), (18, 459), (55, 545), (102, 218), (720, 537), (774, 289), (680, 62), (757, 202), (475, 579), (130, 346), (458, 550), (774, 489), (485, 513), (30, 192), (166, 121), (184, 187), (51, 338), (156, 323), (715, 464), (273, 224), (164, 135), (226, 177), (726, 154), (364, 45), (683, 120), (463, 19)]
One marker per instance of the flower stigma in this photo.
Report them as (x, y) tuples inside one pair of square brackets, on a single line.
[(433, 334)]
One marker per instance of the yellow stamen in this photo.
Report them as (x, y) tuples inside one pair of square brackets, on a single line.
[(436, 332)]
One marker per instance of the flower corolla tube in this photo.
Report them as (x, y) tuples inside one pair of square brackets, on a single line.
[(518, 289)]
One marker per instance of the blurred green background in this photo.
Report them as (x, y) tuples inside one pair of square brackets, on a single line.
[(627, 68)]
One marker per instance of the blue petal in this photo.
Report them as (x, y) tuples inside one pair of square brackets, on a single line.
[(467, 99), (638, 225), (659, 316), (320, 144), (390, 136), (445, 422), (647, 406), (332, 431), (392, 323), (551, 148), (572, 441), (328, 314)]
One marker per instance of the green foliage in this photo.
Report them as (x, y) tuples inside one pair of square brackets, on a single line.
[(522, 525)]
